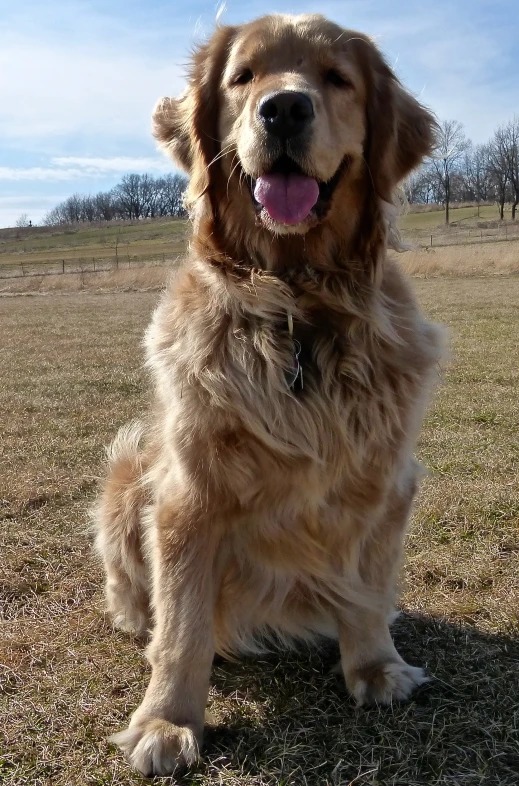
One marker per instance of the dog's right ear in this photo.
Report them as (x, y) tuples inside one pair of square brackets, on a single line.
[(171, 128), (187, 127)]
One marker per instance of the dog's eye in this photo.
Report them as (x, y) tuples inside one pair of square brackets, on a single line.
[(333, 77), (243, 77)]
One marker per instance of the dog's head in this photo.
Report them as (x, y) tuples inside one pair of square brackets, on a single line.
[(283, 115)]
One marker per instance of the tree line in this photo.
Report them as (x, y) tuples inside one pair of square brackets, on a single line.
[(460, 171), (135, 197)]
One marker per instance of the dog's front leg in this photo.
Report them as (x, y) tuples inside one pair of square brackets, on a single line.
[(166, 730), (373, 669)]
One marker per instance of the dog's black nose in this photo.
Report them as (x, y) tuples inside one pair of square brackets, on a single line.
[(286, 113)]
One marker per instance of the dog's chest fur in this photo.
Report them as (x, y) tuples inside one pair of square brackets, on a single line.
[(224, 354)]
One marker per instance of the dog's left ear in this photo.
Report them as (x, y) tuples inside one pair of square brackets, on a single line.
[(187, 127), (401, 132)]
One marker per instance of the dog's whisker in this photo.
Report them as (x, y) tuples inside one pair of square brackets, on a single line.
[(221, 154), (231, 174)]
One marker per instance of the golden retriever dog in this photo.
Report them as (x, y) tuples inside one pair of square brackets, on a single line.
[(266, 498)]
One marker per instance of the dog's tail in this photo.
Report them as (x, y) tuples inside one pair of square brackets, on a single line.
[(118, 518)]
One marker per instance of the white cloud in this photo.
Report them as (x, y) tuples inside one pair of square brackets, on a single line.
[(39, 173), (117, 164), (76, 167)]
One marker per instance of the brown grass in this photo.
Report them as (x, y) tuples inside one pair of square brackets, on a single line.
[(70, 374), (486, 259), (432, 207), (475, 246), (141, 278)]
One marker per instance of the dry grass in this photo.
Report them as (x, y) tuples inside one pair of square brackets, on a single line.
[(70, 374), (91, 247), (432, 207), (423, 217), (138, 278), (89, 238), (485, 259), (86, 248)]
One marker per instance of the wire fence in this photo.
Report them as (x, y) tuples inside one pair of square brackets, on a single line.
[(473, 235), (25, 267)]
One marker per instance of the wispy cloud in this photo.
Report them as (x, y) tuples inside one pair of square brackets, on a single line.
[(117, 164), (74, 167)]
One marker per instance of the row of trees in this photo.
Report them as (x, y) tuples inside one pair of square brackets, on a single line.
[(136, 196), (460, 171)]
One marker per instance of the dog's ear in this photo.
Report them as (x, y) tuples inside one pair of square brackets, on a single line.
[(187, 127), (170, 126), (400, 131)]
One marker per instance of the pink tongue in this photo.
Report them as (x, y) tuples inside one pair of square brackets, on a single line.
[(287, 198)]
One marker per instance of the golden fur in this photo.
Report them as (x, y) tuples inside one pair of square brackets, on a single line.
[(248, 510)]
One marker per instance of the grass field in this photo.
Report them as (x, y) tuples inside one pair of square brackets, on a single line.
[(70, 374), (55, 250), (436, 219)]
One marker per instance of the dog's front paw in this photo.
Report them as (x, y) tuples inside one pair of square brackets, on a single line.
[(157, 747), (384, 681)]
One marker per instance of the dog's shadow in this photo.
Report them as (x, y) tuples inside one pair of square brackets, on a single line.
[(287, 719)]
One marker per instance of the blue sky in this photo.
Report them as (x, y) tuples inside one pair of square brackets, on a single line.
[(78, 78)]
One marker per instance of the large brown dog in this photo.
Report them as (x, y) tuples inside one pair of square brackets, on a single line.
[(267, 498)]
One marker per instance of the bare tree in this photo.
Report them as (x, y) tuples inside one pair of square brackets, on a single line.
[(509, 136), (105, 206), (149, 196), (174, 187), (419, 186), (23, 221), (498, 165), (128, 194), (448, 155), (476, 173), (73, 208), (136, 196), (88, 209)]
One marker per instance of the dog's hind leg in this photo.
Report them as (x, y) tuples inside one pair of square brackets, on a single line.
[(118, 524)]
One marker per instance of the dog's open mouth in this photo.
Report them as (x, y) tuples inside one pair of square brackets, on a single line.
[(289, 196)]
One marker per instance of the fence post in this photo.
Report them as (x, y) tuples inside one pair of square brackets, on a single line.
[(63, 266), (431, 241)]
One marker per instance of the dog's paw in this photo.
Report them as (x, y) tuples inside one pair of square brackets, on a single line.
[(136, 623), (157, 747), (383, 682)]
